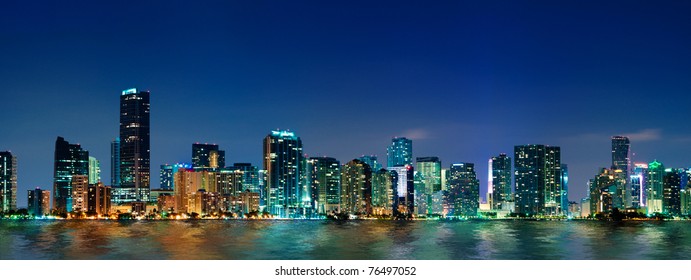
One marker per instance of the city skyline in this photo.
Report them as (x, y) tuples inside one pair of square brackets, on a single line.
[(466, 84)]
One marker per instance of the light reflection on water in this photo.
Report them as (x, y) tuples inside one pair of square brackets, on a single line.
[(324, 240)]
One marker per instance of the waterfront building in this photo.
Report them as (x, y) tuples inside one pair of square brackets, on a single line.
[(250, 201), (94, 170), (283, 159), (654, 186), (80, 188), (404, 195), (671, 193), (538, 180), (463, 197), (326, 184), (38, 202), (230, 181), (207, 156), (603, 188), (250, 177), (167, 175), (165, 203), (621, 161), (565, 206), (371, 160), (115, 163), (70, 160), (135, 142), (637, 185), (428, 175), (8, 181), (356, 188), (98, 200), (188, 182), (499, 186), (383, 189), (400, 152)]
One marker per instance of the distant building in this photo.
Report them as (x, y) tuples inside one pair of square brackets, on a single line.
[(538, 180), (637, 185), (400, 152), (283, 159), (250, 201), (603, 188), (135, 142), (8, 181), (671, 199), (115, 163), (189, 182), (621, 160), (464, 190), (80, 188), (70, 160), (326, 183), (230, 182), (429, 182), (654, 183), (165, 203), (94, 171), (371, 160), (98, 200), (167, 175), (207, 156), (356, 188), (384, 184), (38, 202), (500, 182), (404, 195)]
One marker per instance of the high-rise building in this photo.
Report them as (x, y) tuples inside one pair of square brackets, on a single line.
[(400, 152), (500, 182), (429, 182), (283, 160), (404, 194), (207, 156), (94, 171), (135, 153), (167, 174), (603, 188), (115, 163), (637, 185), (80, 189), (8, 181), (538, 180), (356, 188), (384, 185), (250, 177), (566, 210), (371, 160), (621, 161), (70, 160), (671, 200), (98, 200), (188, 182), (463, 197), (38, 202), (326, 184), (654, 184)]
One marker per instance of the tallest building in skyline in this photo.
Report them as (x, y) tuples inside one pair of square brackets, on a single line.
[(135, 154)]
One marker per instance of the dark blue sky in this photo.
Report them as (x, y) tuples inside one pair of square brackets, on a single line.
[(466, 80)]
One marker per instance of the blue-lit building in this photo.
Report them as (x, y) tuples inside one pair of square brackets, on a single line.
[(70, 160), (537, 175), (167, 174), (371, 160), (404, 194), (326, 184), (400, 152), (356, 188), (135, 142), (463, 198), (283, 159), (654, 184), (8, 181), (621, 161), (115, 163), (500, 182), (671, 193), (427, 183)]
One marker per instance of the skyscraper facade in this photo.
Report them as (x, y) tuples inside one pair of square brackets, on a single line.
[(500, 182), (538, 180), (283, 160), (637, 185), (207, 156), (384, 184), (428, 178), (167, 174), (94, 170), (463, 197), (400, 152), (654, 184), (38, 202), (70, 160), (671, 193), (621, 160), (115, 163), (404, 194), (8, 181), (326, 184), (135, 142), (356, 188), (371, 160)]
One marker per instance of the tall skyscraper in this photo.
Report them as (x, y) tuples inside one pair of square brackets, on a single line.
[(80, 189), (283, 159), (500, 182), (565, 190), (384, 185), (167, 174), (654, 183), (38, 202), (207, 156), (98, 200), (621, 160), (94, 171), (356, 188), (538, 180), (400, 153), (671, 199), (115, 163), (70, 160), (463, 198), (326, 184), (371, 161), (637, 183), (404, 194), (8, 181), (429, 183), (135, 153)]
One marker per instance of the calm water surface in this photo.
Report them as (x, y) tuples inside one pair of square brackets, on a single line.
[(325, 240)]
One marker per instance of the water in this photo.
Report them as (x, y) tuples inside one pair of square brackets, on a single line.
[(327, 240)]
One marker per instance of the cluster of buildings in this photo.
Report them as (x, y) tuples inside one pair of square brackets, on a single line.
[(289, 184)]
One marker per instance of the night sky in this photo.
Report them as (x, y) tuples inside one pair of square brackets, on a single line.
[(466, 80)]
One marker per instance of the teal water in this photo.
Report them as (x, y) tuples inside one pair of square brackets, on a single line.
[(327, 240)]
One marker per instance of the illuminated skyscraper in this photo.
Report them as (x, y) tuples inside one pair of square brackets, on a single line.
[(621, 161), (94, 171), (429, 182), (70, 160), (538, 180), (167, 174), (135, 154), (283, 160), (115, 163), (400, 153), (98, 200), (371, 161), (356, 188), (637, 183), (565, 190), (384, 184), (326, 183), (602, 190), (8, 181), (463, 197), (671, 201), (207, 156), (80, 189), (654, 183), (404, 195), (38, 202), (500, 181)]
